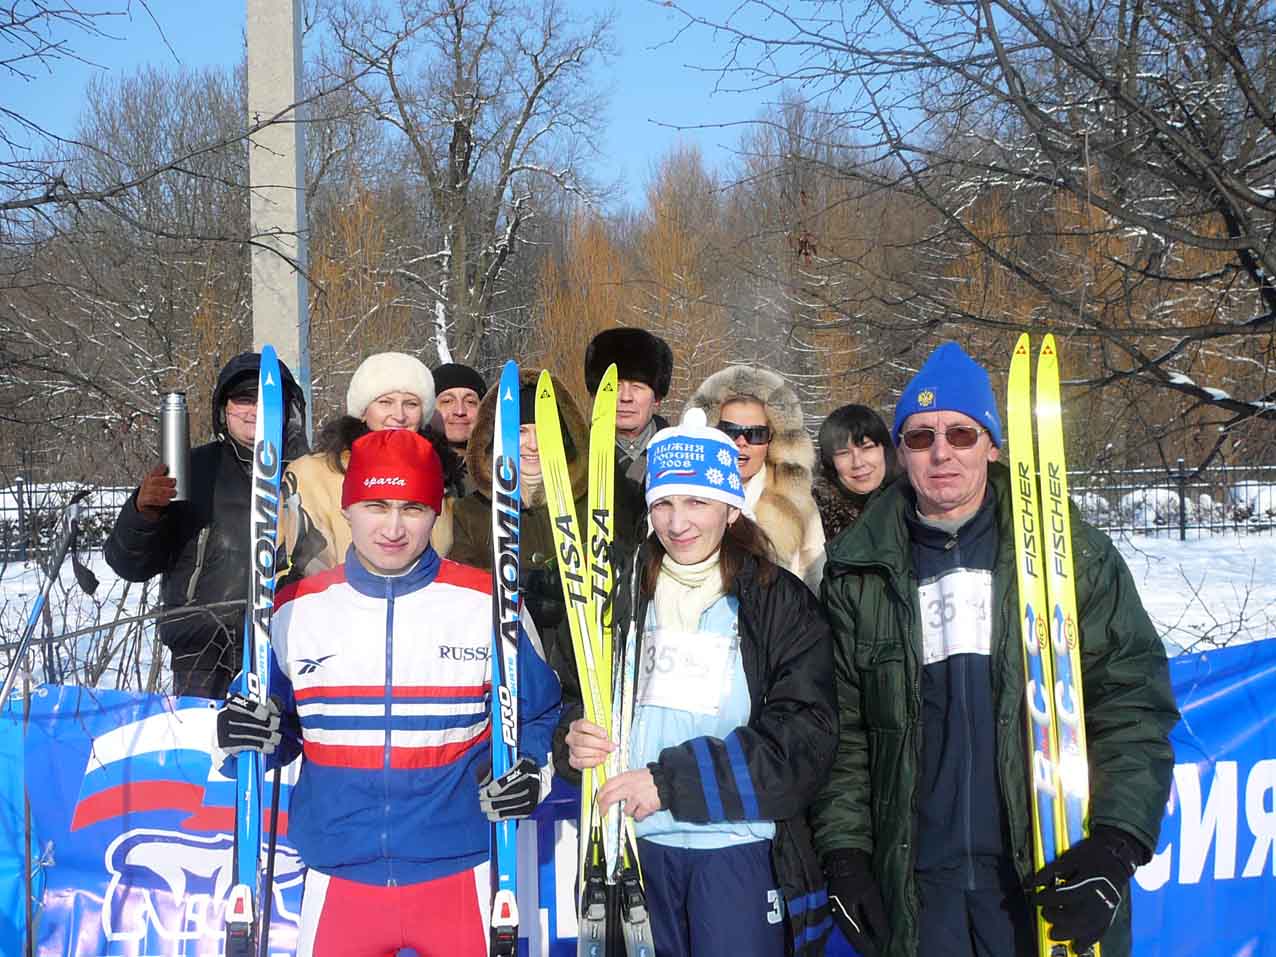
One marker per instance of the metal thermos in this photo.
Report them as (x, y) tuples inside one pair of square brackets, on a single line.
[(175, 441)]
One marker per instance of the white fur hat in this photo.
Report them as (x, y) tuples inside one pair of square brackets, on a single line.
[(390, 372)]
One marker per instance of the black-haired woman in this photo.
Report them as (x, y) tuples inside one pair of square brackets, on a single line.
[(856, 459)]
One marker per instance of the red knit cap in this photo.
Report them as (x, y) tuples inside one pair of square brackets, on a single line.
[(396, 464)]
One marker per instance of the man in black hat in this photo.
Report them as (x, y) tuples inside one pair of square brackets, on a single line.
[(458, 390), (201, 546), (645, 366)]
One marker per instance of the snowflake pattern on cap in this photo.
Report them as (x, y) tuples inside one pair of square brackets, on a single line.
[(693, 459)]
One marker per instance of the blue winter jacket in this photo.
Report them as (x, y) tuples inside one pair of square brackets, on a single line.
[(386, 685)]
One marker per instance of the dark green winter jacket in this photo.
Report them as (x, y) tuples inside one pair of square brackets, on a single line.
[(871, 799)]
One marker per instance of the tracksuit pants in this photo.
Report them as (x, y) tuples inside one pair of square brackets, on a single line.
[(446, 917), (984, 917), (719, 901)]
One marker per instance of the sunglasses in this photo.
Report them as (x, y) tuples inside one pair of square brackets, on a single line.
[(958, 436), (753, 434)]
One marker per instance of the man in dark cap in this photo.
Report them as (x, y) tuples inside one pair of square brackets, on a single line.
[(645, 366), (458, 390), (201, 546)]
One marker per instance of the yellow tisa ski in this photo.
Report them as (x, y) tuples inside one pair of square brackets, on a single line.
[(602, 523), (570, 552), (1030, 576), (623, 875), (1069, 711)]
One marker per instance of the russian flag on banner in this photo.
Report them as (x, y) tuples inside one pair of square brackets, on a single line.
[(137, 822)]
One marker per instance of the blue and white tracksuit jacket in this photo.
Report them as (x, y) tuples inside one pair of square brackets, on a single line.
[(386, 686)]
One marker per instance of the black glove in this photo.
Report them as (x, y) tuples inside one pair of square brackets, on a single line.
[(1080, 890), (515, 793), (856, 900), (244, 724), (542, 595)]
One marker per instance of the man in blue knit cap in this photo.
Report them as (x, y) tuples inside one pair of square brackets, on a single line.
[(924, 826)]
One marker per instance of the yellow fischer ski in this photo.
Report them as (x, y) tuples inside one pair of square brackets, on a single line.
[(1069, 712), (1047, 615), (1030, 576)]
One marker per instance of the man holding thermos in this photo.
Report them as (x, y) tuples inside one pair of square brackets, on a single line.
[(199, 542)]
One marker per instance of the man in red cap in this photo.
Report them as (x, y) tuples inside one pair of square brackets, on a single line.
[(382, 673)]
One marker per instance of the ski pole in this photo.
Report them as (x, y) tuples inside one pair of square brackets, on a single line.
[(70, 522), (268, 883)]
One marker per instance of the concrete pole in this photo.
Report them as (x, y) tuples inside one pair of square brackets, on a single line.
[(276, 174)]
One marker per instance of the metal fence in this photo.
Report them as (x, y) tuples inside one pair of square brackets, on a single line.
[(30, 513), (1175, 502)]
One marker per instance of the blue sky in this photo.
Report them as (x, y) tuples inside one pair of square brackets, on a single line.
[(650, 81)]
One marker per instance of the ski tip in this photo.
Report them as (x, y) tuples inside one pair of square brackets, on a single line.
[(544, 385), (1047, 345), (1021, 347)]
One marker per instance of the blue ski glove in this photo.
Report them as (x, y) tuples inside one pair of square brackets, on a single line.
[(244, 724), (1080, 890), (855, 900), (515, 793)]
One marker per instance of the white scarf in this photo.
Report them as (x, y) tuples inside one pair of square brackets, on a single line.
[(683, 592)]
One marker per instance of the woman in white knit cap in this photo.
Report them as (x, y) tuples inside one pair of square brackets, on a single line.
[(389, 390), (734, 725)]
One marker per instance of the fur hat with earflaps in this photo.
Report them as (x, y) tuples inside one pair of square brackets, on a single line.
[(638, 355), (786, 505)]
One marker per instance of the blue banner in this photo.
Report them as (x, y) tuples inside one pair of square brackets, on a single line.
[(131, 826), (13, 849), (1211, 888)]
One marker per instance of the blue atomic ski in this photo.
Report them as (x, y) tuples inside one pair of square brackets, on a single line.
[(244, 901), (506, 608)]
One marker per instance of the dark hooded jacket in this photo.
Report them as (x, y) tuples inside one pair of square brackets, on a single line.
[(874, 798), (201, 546)]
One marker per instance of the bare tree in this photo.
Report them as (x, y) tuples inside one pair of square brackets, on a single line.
[(494, 102), (1132, 144), (114, 299)]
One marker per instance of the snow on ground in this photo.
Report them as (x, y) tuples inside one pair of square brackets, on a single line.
[(1206, 592), (1200, 594), (118, 655)]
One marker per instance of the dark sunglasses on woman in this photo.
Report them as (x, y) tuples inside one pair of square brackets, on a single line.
[(753, 434), (958, 436)]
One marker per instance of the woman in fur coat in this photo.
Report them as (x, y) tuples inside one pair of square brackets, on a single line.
[(759, 411)]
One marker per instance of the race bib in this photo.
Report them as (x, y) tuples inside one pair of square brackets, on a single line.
[(956, 615), (689, 671)]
